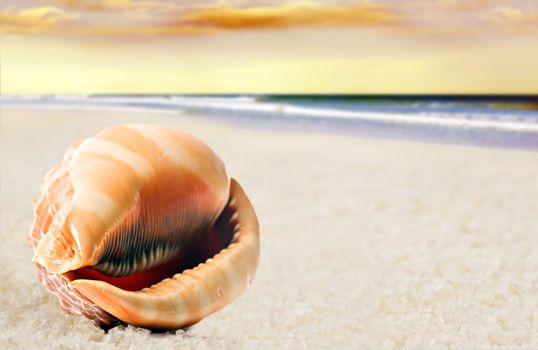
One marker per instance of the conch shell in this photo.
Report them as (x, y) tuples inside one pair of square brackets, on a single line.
[(142, 224)]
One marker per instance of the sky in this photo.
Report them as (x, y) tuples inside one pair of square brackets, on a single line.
[(269, 46)]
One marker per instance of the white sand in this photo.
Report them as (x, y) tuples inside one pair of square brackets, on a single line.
[(365, 243)]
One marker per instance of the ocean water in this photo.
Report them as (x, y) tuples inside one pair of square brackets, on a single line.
[(501, 121)]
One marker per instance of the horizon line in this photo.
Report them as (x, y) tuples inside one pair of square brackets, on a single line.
[(470, 96)]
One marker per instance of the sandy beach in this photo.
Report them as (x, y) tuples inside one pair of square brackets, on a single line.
[(366, 243)]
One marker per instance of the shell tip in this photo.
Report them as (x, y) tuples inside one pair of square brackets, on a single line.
[(56, 258)]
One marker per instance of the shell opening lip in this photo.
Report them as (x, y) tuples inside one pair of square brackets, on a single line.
[(210, 244)]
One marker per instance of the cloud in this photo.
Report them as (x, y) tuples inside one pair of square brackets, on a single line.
[(293, 14), (465, 20), (83, 4), (154, 17), (122, 5), (141, 31), (513, 19), (443, 5), (34, 20)]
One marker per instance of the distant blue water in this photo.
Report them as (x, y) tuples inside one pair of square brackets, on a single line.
[(502, 121)]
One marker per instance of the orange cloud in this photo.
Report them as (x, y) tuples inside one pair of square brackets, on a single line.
[(146, 18), (155, 18), (34, 20), (514, 20), (293, 14)]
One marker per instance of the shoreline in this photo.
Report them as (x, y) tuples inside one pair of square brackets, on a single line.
[(282, 124)]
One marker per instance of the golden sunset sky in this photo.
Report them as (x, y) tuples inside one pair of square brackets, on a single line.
[(268, 46)]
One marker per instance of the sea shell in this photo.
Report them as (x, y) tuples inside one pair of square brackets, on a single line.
[(141, 224)]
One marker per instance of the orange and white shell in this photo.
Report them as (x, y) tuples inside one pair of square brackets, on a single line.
[(143, 225)]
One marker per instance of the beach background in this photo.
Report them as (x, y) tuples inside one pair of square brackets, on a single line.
[(366, 242), (389, 148)]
